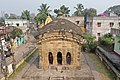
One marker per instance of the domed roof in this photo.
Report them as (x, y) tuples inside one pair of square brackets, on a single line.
[(60, 25)]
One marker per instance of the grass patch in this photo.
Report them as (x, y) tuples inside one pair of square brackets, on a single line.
[(23, 65), (105, 73)]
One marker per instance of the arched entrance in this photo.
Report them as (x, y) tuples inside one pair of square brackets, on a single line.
[(50, 58), (59, 58), (68, 58)]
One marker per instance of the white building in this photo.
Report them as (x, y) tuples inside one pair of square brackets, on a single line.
[(16, 22), (19, 23), (101, 25)]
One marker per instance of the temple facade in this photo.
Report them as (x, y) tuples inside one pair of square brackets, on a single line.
[(59, 45)]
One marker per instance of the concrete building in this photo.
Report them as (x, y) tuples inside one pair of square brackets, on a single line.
[(98, 26), (16, 22), (19, 23), (77, 20)]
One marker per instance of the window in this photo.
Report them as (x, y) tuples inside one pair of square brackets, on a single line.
[(17, 24), (99, 24), (119, 24), (68, 58), (98, 34), (77, 22), (59, 58), (50, 58), (111, 24)]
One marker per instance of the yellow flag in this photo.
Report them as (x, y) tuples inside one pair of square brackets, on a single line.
[(48, 20)]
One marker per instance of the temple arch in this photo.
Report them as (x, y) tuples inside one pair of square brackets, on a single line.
[(59, 58), (68, 58), (50, 58)]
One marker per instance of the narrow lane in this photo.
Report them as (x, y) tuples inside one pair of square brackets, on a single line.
[(19, 75), (92, 66)]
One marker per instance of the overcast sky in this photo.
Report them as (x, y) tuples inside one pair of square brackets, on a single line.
[(17, 6)]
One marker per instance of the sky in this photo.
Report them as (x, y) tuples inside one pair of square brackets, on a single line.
[(17, 6)]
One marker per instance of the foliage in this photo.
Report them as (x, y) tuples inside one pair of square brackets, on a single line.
[(114, 9), (91, 12), (89, 38), (25, 15), (43, 13), (16, 32), (12, 16), (79, 10), (6, 15), (64, 11), (38, 29), (90, 43), (107, 39), (2, 20), (41, 17)]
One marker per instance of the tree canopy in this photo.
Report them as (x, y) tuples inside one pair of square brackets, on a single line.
[(12, 16), (114, 9), (91, 12), (43, 13), (16, 32), (90, 43), (79, 10), (25, 15), (2, 20), (107, 39), (63, 11)]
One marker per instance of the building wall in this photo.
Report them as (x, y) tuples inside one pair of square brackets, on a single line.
[(77, 20), (54, 43), (14, 22), (105, 24), (117, 44)]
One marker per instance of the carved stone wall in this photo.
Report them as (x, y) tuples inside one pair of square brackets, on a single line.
[(59, 41)]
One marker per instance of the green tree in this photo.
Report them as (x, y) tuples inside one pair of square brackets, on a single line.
[(25, 15), (91, 12), (89, 38), (79, 10), (2, 20), (12, 16), (43, 13), (16, 32), (114, 9), (107, 39), (89, 42), (63, 11), (6, 15)]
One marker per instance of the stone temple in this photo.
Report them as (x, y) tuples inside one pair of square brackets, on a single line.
[(60, 56)]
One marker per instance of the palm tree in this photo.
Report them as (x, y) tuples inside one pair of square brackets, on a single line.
[(64, 11), (79, 10), (25, 15), (43, 13), (44, 9)]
